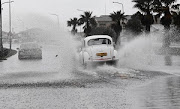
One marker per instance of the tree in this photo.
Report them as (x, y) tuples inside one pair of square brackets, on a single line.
[(176, 22), (89, 22), (145, 6), (134, 25), (73, 22), (166, 20), (117, 17), (176, 16)]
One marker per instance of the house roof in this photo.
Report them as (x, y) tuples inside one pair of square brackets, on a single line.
[(106, 18)]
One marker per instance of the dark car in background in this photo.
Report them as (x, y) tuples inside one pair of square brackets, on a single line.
[(30, 51)]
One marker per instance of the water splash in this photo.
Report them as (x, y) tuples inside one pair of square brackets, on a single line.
[(140, 51), (144, 53)]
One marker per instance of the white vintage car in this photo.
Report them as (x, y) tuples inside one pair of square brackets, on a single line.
[(98, 49)]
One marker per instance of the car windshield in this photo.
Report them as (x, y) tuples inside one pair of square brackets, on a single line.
[(98, 41)]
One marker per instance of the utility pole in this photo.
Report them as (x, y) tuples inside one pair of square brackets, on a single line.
[(1, 44), (10, 33)]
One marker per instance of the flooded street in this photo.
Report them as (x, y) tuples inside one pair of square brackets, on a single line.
[(49, 83), (146, 90), (102, 54), (162, 93), (48, 87)]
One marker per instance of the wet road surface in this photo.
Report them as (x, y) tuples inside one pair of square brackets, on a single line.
[(44, 84), (162, 93)]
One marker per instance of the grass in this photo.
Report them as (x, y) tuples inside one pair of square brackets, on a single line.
[(7, 53)]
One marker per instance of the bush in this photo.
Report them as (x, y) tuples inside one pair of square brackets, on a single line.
[(175, 34), (134, 26)]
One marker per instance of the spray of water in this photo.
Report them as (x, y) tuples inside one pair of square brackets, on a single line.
[(139, 51), (143, 52), (59, 50)]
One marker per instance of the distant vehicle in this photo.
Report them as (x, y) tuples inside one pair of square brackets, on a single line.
[(30, 51), (98, 49)]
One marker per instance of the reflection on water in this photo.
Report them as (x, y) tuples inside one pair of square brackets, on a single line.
[(161, 94)]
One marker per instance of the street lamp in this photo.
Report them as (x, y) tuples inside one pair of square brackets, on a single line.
[(7, 2), (80, 10), (1, 45), (57, 19), (121, 4)]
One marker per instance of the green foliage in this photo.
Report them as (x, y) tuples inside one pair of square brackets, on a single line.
[(89, 22), (166, 20), (174, 34), (117, 17), (145, 6), (176, 6), (134, 26), (73, 22), (167, 3), (176, 19)]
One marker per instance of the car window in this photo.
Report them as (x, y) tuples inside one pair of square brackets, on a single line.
[(28, 46), (99, 41)]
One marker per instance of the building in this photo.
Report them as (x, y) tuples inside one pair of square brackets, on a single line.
[(104, 21)]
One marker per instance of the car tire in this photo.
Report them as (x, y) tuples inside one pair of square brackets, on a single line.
[(85, 66)]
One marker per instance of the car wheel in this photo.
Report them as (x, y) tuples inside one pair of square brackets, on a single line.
[(115, 63), (85, 66)]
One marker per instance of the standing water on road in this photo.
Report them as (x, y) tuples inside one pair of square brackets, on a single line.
[(145, 53), (103, 87)]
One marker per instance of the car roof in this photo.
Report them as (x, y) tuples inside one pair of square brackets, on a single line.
[(97, 36)]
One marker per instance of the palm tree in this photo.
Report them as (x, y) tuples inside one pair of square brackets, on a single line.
[(145, 6), (117, 17), (134, 25), (167, 18), (89, 22), (73, 22)]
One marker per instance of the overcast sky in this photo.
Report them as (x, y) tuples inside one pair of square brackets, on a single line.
[(33, 13)]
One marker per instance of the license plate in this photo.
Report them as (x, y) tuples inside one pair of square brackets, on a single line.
[(101, 54)]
